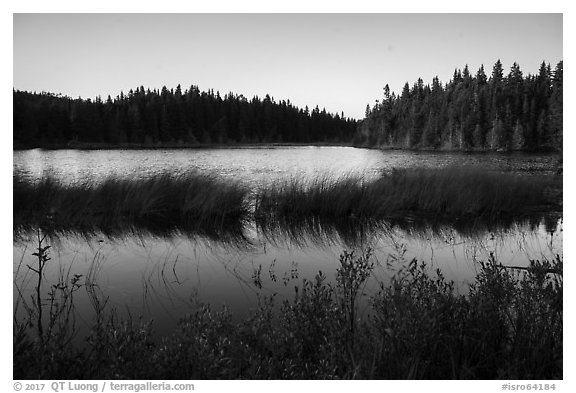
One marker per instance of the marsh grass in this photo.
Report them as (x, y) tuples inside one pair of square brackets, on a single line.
[(444, 195), (349, 208), (508, 326), (192, 203)]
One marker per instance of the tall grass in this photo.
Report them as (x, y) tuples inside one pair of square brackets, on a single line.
[(350, 207), (508, 326), (194, 202), (449, 195)]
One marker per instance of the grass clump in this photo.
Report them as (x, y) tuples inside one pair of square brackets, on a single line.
[(508, 326), (351, 208), (191, 203), (465, 191), (448, 194)]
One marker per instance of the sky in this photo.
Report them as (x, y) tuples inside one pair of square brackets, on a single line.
[(337, 61)]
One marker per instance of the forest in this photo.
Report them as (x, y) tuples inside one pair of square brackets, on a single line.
[(471, 112), (170, 117), (502, 112)]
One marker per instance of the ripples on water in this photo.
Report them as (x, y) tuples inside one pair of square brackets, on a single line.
[(255, 166)]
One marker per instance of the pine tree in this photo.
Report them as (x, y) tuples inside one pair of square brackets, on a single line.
[(481, 76), (497, 73)]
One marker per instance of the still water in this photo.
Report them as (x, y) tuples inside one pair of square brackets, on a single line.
[(162, 278)]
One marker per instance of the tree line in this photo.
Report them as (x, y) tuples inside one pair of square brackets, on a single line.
[(471, 112), (171, 117)]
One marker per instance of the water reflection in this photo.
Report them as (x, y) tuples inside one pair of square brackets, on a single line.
[(161, 275), (302, 232)]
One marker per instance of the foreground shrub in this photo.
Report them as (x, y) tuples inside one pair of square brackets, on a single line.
[(508, 326)]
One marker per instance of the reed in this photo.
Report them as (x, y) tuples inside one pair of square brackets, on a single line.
[(348, 207), (193, 202), (449, 194)]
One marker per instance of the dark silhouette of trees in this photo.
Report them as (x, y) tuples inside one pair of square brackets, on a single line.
[(471, 112), (170, 117), (502, 111)]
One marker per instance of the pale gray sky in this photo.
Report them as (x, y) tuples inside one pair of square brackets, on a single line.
[(337, 61)]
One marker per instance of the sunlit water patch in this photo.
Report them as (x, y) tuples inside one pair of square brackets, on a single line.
[(255, 166)]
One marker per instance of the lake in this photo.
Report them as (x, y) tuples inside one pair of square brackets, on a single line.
[(256, 165), (161, 277)]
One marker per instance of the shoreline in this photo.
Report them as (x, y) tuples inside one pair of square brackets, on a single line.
[(176, 146)]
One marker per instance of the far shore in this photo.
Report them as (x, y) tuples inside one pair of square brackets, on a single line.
[(262, 145), (143, 146)]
